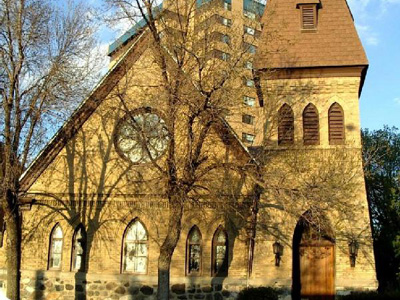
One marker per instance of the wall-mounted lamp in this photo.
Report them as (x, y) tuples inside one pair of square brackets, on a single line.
[(353, 252), (278, 251)]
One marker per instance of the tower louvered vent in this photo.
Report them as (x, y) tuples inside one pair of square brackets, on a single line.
[(310, 125), (285, 125), (336, 125), (309, 17)]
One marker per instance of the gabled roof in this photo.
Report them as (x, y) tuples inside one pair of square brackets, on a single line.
[(87, 108), (283, 44)]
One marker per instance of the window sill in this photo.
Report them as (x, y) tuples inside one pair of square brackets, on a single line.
[(309, 30), (133, 273), (54, 270), (194, 275)]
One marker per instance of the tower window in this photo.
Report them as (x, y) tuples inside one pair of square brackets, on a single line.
[(221, 55), (310, 125), (225, 56), (336, 125), (249, 30), (249, 48), (226, 22), (248, 82), (248, 65), (227, 5), (285, 125), (249, 101), (248, 138), (248, 119), (309, 16), (226, 39), (249, 14)]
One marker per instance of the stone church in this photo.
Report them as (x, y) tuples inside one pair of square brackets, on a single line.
[(293, 214)]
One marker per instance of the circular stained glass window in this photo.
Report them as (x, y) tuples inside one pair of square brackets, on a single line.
[(142, 136)]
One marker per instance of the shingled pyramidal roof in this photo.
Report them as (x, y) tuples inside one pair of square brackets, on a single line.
[(283, 44)]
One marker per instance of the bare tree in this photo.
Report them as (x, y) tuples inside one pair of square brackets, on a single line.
[(198, 84), (46, 65), (196, 90)]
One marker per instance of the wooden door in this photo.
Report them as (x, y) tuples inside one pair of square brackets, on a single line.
[(317, 272)]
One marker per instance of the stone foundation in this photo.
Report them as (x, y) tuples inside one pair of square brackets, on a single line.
[(51, 285), (69, 286)]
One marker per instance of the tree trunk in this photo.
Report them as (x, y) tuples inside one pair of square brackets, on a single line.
[(169, 245), (163, 277), (13, 249)]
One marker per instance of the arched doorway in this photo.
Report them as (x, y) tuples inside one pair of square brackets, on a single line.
[(313, 258)]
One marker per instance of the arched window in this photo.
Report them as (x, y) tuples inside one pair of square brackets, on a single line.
[(56, 247), (285, 125), (220, 252), (193, 252), (336, 125), (135, 252), (310, 125), (78, 249)]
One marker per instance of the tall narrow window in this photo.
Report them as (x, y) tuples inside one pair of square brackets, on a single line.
[(310, 125), (285, 125), (193, 252), (336, 125), (78, 249), (56, 247), (135, 252), (220, 253)]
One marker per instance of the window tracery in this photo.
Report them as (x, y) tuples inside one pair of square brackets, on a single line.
[(194, 251), (56, 247), (135, 252)]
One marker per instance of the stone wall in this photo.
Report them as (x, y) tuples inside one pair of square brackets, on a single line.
[(47, 285), (40, 285)]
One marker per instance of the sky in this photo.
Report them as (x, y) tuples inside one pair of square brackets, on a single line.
[(378, 25)]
